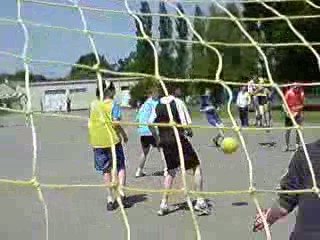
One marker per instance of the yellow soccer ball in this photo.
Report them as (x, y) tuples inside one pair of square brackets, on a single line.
[(229, 145)]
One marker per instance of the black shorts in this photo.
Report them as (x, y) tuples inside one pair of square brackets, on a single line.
[(147, 141), (288, 122), (171, 154), (262, 100)]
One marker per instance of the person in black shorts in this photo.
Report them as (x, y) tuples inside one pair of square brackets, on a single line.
[(146, 139), (165, 138)]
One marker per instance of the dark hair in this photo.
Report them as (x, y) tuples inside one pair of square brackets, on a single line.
[(98, 89), (108, 92), (171, 88), (111, 86)]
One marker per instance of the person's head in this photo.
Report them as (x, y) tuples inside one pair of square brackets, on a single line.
[(177, 92), (112, 88), (295, 86), (243, 88), (153, 92), (108, 92), (171, 89)]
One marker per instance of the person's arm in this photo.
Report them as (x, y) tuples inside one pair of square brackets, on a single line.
[(153, 130), (302, 99), (286, 97), (286, 203), (116, 116), (185, 116), (249, 98), (238, 99), (121, 132), (116, 112)]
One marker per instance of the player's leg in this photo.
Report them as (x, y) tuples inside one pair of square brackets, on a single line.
[(192, 161), (265, 113), (168, 181), (288, 123), (256, 110), (201, 204), (110, 195), (241, 116), (122, 173), (261, 112), (165, 168), (219, 138), (102, 165), (145, 146), (171, 155), (214, 120), (299, 120), (246, 116), (269, 112)]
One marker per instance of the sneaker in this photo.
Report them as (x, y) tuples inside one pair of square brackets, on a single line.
[(165, 172), (285, 149), (164, 209), (140, 173), (110, 206), (216, 142), (202, 208), (125, 202)]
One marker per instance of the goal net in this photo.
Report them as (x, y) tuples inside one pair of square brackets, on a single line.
[(224, 45)]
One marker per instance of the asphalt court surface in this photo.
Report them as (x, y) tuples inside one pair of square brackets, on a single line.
[(64, 157)]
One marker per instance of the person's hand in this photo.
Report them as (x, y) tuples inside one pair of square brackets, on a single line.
[(125, 139), (258, 223), (157, 140), (271, 215), (189, 132)]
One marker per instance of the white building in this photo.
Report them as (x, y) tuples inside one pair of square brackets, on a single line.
[(52, 96)]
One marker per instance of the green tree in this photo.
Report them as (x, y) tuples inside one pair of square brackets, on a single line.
[(144, 61), (292, 63), (127, 63), (139, 91), (88, 60), (182, 60), (238, 62), (199, 59), (167, 48), (19, 76)]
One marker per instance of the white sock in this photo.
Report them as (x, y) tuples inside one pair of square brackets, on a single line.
[(109, 199), (121, 193), (163, 203), (200, 201)]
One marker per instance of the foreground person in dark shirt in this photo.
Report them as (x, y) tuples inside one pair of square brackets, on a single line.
[(298, 177)]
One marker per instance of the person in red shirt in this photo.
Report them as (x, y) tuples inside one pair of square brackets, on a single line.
[(294, 97)]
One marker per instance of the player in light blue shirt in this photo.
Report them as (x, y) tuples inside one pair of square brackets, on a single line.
[(146, 139)]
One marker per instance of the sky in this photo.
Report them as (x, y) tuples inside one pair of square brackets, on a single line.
[(68, 46)]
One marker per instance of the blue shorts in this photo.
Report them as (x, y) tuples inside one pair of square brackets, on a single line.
[(103, 159), (214, 119)]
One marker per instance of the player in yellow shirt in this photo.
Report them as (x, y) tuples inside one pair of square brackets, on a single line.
[(103, 134)]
